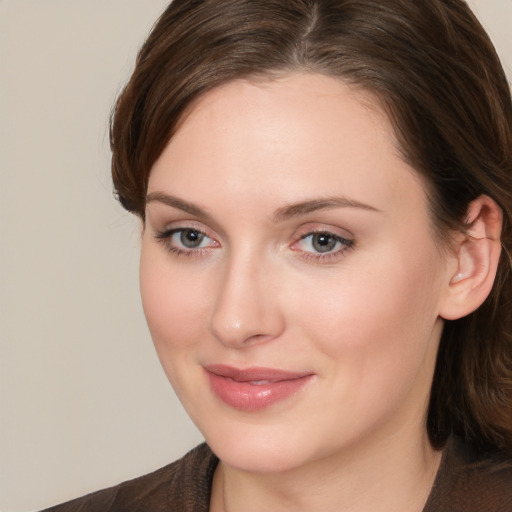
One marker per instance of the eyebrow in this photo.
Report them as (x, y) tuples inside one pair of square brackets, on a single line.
[(313, 205), (283, 213), (180, 204)]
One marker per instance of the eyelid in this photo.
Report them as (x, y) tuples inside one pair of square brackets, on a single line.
[(167, 233), (311, 228), (338, 238), (161, 229), (161, 216)]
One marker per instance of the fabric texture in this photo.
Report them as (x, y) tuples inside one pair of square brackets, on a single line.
[(183, 486), (464, 483)]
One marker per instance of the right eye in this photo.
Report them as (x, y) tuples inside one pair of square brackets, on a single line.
[(186, 241)]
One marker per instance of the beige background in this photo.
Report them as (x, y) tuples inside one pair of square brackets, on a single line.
[(83, 402)]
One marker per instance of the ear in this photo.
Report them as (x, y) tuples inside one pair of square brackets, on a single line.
[(476, 256)]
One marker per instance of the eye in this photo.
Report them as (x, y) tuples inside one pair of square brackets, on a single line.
[(190, 238), (186, 241), (322, 244)]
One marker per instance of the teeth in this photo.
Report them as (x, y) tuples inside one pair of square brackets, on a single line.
[(259, 382)]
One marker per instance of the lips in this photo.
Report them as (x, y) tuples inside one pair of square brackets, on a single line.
[(252, 389)]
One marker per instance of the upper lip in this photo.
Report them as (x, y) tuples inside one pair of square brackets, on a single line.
[(255, 373)]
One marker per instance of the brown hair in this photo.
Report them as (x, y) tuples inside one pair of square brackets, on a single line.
[(437, 74)]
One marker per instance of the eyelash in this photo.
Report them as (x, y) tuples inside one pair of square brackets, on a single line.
[(165, 237)]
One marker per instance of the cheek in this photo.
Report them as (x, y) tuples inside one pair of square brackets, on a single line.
[(174, 302), (378, 318)]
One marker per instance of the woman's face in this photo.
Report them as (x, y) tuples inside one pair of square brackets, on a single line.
[(290, 276)]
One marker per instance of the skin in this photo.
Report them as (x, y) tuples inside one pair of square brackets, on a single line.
[(364, 318)]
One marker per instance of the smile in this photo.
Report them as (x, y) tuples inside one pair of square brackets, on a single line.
[(252, 389)]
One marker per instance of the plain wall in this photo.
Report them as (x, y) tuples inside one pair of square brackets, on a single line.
[(83, 401)]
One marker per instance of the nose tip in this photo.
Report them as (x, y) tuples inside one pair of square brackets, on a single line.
[(243, 312), (242, 325)]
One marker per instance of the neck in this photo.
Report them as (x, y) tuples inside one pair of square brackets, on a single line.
[(395, 474)]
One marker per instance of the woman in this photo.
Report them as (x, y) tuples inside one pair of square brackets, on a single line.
[(325, 194)]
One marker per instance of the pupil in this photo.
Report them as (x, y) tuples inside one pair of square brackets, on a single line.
[(191, 238), (323, 242)]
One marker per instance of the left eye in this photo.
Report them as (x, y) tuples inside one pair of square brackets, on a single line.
[(323, 242)]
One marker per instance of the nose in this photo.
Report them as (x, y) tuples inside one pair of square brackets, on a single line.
[(246, 310)]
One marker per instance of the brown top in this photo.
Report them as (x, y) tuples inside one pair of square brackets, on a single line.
[(467, 483), (463, 484)]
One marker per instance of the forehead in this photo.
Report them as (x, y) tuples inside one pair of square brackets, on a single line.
[(298, 97), (299, 135)]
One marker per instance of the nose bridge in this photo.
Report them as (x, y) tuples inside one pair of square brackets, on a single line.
[(243, 311)]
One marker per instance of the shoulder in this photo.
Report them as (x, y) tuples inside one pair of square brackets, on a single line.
[(468, 482), (184, 485)]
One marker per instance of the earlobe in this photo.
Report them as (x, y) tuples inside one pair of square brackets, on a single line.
[(477, 254)]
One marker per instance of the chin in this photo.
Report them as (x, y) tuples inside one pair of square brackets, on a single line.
[(259, 449)]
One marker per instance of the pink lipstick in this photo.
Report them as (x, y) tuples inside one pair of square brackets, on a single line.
[(252, 389)]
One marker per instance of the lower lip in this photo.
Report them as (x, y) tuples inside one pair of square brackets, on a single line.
[(248, 396)]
